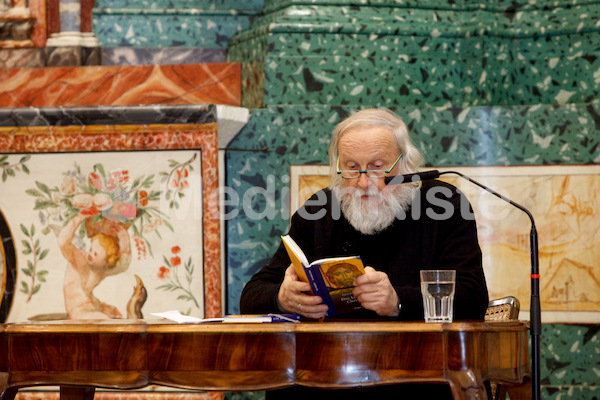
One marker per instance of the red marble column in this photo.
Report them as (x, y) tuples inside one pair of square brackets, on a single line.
[(40, 29), (86, 15), (53, 16)]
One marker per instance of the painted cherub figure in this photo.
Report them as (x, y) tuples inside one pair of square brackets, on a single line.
[(109, 254)]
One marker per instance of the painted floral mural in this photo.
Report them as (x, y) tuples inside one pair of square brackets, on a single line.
[(104, 219)]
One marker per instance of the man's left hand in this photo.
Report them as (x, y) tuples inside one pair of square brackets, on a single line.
[(375, 292)]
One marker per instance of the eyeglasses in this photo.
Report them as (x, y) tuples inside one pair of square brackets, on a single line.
[(371, 173)]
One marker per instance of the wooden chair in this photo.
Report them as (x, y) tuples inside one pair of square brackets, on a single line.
[(503, 309)]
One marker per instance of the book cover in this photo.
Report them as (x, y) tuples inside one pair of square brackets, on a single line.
[(329, 278)]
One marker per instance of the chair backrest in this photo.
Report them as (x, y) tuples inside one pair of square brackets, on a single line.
[(502, 309), (505, 308)]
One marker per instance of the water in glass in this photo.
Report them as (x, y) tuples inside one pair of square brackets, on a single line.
[(437, 288)]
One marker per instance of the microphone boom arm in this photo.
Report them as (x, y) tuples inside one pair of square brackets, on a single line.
[(535, 308), (535, 328)]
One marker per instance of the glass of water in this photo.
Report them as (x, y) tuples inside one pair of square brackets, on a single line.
[(437, 288)]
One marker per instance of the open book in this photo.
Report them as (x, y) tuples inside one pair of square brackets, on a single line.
[(329, 278)]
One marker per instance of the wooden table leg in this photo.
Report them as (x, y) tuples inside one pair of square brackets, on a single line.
[(466, 385), (77, 393), (8, 394)]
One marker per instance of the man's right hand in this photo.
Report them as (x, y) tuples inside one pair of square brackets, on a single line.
[(293, 297)]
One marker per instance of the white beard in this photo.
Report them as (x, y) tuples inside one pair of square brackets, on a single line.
[(379, 211)]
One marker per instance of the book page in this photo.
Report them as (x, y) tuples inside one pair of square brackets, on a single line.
[(297, 257)]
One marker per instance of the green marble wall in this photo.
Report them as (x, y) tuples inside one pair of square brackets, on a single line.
[(171, 23), (570, 366), (181, 4), (319, 52)]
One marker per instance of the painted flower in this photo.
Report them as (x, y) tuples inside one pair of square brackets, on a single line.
[(67, 187), (56, 198), (122, 175), (90, 211), (111, 184), (102, 201), (175, 249), (143, 198), (175, 261), (163, 272), (180, 180), (148, 228), (121, 194), (82, 201), (95, 180), (125, 210)]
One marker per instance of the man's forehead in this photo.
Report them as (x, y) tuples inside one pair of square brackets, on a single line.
[(367, 135), (374, 142), (367, 129)]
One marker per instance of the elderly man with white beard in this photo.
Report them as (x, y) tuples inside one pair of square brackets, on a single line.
[(397, 230)]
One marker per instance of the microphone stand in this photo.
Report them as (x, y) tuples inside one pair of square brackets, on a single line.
[(535, 329), (535, 308)]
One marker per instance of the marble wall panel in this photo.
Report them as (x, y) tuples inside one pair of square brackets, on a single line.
[(125, 115), (572, 357), (289, 44), (160, 55), (397, 81), (70, 56), (75, 56), (396, 19), (49, 57), (121, 85), (282, 44), (166, 27), (22, 58), (455, 4), (549, 53), (199, 4)]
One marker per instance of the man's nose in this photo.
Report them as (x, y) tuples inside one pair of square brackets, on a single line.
[(363, 181)]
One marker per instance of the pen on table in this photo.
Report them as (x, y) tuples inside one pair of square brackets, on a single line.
[(284, 318)]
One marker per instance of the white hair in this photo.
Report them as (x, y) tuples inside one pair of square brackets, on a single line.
[(411, 159)]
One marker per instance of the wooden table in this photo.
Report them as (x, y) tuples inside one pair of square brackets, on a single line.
[(80, 356)]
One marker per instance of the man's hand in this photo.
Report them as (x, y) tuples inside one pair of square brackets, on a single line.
[(292, 299), (375, 292)]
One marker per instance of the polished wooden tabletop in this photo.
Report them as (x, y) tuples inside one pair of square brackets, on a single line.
[(130, 354)]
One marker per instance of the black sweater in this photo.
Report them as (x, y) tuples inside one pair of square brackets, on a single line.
[(436, 233)]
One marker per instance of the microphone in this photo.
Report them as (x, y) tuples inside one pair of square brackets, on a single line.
[(416, 177), (535, 329)]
